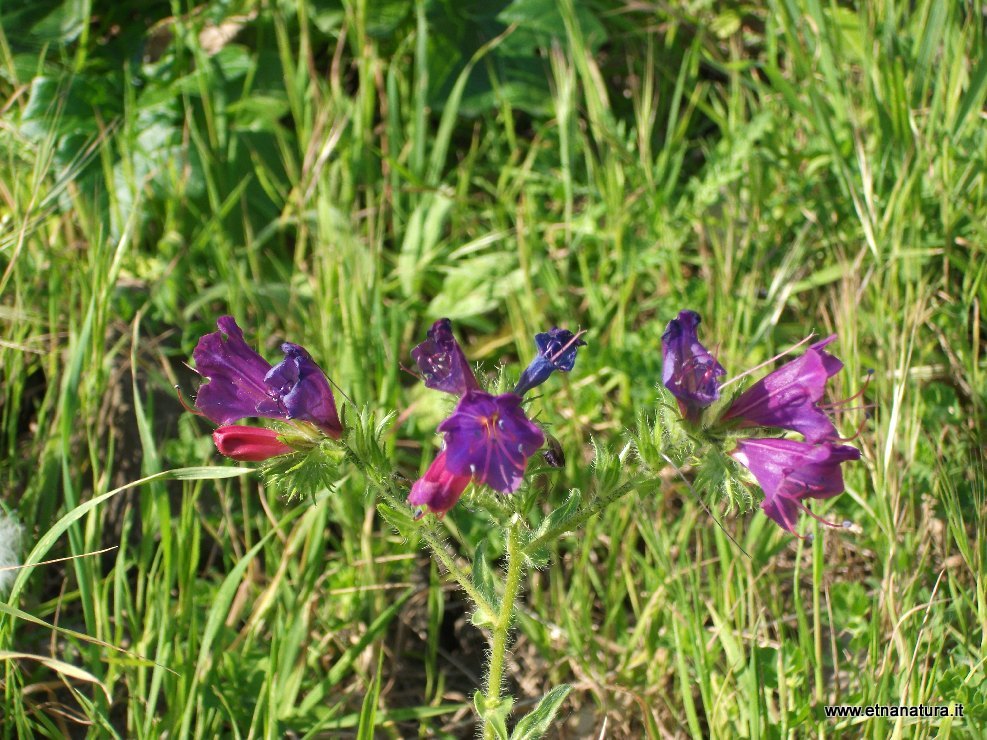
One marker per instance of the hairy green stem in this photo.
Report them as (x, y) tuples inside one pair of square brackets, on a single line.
[(502, 625), (435, 544), (581, 517), (458, 574)]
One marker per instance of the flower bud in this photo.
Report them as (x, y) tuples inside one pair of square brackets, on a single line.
[(249, 444)]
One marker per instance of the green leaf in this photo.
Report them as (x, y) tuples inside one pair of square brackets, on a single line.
[(544, 21), (341, 667), (60, 667), (218, 612), (338, 671), (535, 724), (305, 473), (401, 520), (364, 441), (368, 712), (537, 554), (494, 714), (483, 579), (608, 467), (49, 538)]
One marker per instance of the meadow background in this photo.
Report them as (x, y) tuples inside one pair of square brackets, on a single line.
[(340, 174)]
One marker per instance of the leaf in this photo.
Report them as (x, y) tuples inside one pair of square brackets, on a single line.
[(368, 712), (535, 724), (536, 552), (494, 714), (607, 466), (49, 538), (305, 473), (544, 21), (483, 579), (218, 613), (477, 286), (340, 668), (60, 667), (399, 519)]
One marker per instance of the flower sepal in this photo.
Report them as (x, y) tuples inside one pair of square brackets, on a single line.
[(310, 472)]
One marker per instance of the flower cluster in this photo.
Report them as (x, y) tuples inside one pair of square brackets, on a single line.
[(488, 438), (241, 384), (787, 470)]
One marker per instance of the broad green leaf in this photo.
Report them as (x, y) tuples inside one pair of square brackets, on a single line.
[(536, 723), (483, 579), (494, 713)]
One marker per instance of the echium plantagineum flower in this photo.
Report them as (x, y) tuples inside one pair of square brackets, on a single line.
[(689, 370), (241, 384), (442, 362), (556, 351), (789, 471), (788, 397), (249, 444), (488, 438)]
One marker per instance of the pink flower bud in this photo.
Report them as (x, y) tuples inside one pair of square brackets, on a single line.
[(249, 444)]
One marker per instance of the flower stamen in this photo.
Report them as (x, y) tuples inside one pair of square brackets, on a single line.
[(858, 394), (767, 362), (185, 404), (575, 338)]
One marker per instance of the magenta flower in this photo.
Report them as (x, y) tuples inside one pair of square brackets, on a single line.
[(241, 383), (789, 471), (689, 371), (556, 351), (249, 444), (489, 438), (442, 362), (439, 489), (788, 397)]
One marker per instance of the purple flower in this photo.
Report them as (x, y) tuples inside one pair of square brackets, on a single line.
[(439, 489), (489, 438), (556, 351), (243, 384), (304, 391), (789, 471), (788, 397), (442, 362), (689, 371)]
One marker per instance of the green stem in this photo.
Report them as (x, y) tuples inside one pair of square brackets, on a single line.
[(502, 625), (389, 491), (580, 518), (458, 574)]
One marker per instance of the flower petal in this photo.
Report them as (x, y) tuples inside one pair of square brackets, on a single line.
[(304, 390), (789, 471), (787, 397), (249, 444), (235, 373), (689, 370), (439, 489), (556, 351), (442, 362), (490, 438)]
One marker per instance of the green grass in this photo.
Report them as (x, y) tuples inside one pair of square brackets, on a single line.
[(340, 175)]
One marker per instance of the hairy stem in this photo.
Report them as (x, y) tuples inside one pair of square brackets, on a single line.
[(391, 494), (581, 517), (502, 625)]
